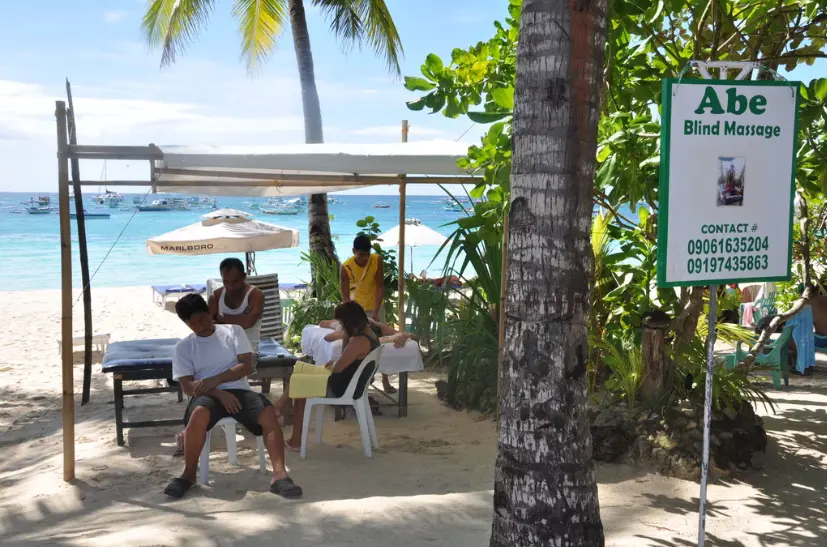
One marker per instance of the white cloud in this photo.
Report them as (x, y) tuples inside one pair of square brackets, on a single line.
[(113, 16)]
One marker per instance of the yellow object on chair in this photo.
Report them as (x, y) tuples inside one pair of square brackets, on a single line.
[(308, 381)]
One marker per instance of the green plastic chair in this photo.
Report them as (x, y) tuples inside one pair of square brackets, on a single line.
[(774, 356)]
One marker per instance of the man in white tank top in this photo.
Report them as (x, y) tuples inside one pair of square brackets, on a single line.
[(237, 302)]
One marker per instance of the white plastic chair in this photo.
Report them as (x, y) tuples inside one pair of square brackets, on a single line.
[(229, 432), (368, 368)]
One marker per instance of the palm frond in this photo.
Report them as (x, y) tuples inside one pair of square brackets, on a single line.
[(259, 22), (173, 24), (358, 22)]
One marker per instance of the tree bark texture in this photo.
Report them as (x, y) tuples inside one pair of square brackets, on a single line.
[(545, 492), (319, 234), (659, 377)]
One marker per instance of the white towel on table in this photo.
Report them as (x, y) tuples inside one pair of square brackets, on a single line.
[(393, 361)]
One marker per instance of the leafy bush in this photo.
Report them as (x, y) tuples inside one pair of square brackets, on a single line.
[(310, 310), (626, 366), (472, 361), (427, 307)]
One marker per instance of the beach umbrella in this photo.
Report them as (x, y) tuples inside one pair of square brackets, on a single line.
[(416, 235), (224, 231)]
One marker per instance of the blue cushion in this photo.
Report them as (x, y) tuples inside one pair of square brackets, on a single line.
[(139, 354), (170, 289)]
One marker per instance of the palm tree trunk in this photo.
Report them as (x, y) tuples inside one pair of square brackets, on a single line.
[(318, 218), (545, 492)]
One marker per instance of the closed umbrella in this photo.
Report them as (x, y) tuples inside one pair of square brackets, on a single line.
[(224, 231), (416, 235)]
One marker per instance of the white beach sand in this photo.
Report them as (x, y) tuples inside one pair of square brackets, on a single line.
[(428, 484)]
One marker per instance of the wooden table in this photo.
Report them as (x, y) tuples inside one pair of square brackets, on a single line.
[(152, 360)]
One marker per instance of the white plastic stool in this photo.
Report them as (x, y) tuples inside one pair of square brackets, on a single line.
[(229, 432)]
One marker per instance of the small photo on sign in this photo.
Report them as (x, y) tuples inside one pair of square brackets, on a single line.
[(731, 181)]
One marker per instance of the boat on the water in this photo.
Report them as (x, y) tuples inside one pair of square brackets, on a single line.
[(87, 215), (381, 205), (39, 210), (137, 200), (279, 211), (179, 204), (156, 206), (109, 198)]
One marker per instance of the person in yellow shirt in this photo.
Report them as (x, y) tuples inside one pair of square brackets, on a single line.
[(362, 280)]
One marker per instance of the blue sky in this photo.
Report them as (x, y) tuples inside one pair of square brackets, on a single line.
[(206, 97)]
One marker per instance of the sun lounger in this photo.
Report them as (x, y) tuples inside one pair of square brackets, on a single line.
[(99, 341), (160, 293), (394, 360)]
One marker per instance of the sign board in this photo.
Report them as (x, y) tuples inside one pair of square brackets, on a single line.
[(727, 180)]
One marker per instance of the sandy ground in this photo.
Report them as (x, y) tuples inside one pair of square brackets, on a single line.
[(429, 483)]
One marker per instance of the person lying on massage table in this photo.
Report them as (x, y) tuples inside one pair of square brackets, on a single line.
[(385, 333), (212, 363)]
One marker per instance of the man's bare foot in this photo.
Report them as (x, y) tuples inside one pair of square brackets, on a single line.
[(289, 446), (388, 388)]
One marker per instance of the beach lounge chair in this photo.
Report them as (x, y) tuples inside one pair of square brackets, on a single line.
[(99, 341), (232, 455), (160, 293), (359, 402)]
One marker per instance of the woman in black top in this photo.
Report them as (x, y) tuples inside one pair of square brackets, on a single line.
[(359, 340)]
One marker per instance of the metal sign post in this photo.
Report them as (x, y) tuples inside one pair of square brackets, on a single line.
[(744, 69)]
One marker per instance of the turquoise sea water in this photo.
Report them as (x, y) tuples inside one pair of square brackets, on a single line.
[(30, 244)]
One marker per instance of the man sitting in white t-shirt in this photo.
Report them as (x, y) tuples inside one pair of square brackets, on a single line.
[(212, 365)]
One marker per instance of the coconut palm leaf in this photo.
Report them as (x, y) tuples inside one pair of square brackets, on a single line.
[(259, 23), (173, 24), (358, 22)]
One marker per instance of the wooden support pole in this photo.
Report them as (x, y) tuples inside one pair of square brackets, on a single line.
[(84, 254), (401, 261), (66, 296)]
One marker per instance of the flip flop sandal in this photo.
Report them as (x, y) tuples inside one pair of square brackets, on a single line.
[(286, 488), (290, 447), (177, 488)]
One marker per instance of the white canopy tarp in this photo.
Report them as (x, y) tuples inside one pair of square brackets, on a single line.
[(223, 231), (255, 171), (416, 235)]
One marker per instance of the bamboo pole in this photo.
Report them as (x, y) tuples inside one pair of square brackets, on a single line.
[(401, 262), (66, 296), (84, 254)]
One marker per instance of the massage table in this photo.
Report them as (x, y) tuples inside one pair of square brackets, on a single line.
[(152, 360), (394, 360)]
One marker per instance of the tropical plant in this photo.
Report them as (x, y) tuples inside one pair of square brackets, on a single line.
[(173, 24), (730, 387), (626, 365), (428, 308), (473, 252), (318, 302)]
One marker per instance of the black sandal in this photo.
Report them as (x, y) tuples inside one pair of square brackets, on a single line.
[(177, 488), (286, 488)]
